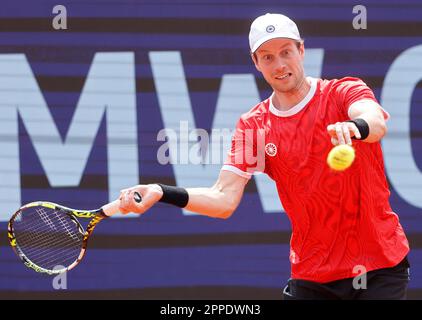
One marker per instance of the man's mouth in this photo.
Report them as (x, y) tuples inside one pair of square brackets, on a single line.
[(283, 76)]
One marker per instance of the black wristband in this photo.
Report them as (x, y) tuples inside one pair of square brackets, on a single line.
[(362, 126), (174, 195)]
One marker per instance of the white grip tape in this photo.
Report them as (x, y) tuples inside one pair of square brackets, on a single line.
[(111, 208)]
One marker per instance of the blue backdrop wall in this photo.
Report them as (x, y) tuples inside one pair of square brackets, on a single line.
[(81, 111)]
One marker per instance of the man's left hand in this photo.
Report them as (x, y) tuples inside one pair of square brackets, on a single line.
[(342, 132)]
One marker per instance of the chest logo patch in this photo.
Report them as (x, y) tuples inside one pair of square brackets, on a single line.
[(271, 149)]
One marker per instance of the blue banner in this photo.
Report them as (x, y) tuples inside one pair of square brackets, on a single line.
[(87, 88)]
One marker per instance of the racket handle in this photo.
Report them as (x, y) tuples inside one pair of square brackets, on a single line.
[(113, 207)]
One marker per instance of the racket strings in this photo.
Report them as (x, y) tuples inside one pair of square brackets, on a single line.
[(39, 239), (37, 225), (58, 250), (49, 250), (48, 237)]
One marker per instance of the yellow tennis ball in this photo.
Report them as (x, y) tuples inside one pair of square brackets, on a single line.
[(341, 157)]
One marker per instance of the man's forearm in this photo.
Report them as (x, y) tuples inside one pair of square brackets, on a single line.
[(218, 201), (211, 202)]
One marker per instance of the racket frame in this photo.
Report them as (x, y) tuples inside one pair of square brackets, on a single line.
[(97, 215)]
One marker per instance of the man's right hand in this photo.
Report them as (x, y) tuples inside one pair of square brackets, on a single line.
[(150, 193)]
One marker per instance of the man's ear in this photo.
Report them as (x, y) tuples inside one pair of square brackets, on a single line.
[(302, 51), (255, 61)]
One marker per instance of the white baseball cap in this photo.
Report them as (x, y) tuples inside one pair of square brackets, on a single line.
[(270, 26)]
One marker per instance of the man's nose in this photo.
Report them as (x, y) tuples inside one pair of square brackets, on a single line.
[(280, 64)]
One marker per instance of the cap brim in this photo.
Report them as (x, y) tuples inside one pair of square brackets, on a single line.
[(273, 36)]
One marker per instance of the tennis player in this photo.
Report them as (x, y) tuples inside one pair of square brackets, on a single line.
[(343, 225)]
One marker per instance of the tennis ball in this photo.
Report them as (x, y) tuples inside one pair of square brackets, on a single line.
[(341, 157)]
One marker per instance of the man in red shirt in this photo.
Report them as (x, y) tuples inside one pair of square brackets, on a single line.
[(342, 222)]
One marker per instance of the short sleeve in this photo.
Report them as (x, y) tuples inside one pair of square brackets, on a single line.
[(353, 90), (244, 158)]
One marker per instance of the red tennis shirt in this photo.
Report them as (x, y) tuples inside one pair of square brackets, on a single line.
[(341, 221)]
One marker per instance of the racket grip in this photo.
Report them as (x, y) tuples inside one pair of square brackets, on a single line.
[(113, 207)]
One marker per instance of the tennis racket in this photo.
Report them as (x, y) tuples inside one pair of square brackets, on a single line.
[(49, 238)]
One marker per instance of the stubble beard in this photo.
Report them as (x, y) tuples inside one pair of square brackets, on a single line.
[(296, 85)]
